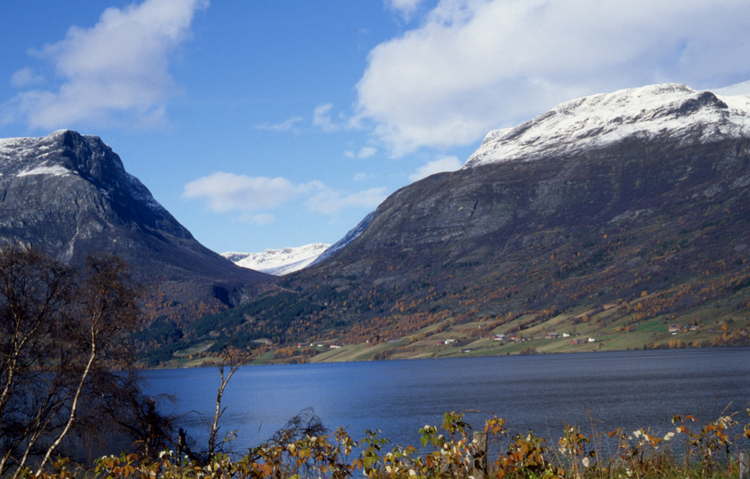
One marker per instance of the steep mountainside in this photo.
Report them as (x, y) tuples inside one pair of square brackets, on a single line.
[(350, 236), (70, 196), (630, 207)]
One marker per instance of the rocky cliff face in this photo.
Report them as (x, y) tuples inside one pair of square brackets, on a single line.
[(69, 195), (578, 167), (498, 209)]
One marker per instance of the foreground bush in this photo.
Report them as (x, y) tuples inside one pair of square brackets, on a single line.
[(690, 450)]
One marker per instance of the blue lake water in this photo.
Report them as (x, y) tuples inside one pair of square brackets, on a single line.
[(630, 389)]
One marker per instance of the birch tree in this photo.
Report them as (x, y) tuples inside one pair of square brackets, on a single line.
[(60, 329)]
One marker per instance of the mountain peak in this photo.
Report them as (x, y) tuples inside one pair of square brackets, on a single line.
[(599, 120), (67, 152)]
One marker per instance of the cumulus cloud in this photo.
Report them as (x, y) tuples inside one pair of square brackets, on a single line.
[(367, 152), (283, 126), (332, 202), (227, 191), (476, 65), (322, 117), (405, 7), (446, 163), (362, 176), (25, 77), (114, 72)]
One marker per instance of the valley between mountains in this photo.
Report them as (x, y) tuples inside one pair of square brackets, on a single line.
[(617, 221)]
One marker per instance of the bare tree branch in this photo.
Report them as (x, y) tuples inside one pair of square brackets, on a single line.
[(234, 359)]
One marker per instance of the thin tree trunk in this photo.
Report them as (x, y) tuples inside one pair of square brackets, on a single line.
[(73, 407), (219, 411)]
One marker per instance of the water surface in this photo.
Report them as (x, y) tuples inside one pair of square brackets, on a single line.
[(606, 390)]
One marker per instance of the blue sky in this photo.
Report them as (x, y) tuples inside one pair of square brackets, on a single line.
[(264, 124)]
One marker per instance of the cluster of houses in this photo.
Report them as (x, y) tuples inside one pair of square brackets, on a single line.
[(675, 328), (573, 342), (513, 337), (518, 339), (319, 345)]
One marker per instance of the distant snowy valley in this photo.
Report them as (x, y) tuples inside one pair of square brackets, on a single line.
[(278, 261), (288, 260)]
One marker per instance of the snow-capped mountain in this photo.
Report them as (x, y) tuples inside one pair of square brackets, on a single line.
[(69, 196), (278, 261), (601, 120), (638, 193), (90, 159), (288, 260)]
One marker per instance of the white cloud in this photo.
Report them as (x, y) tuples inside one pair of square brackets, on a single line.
[(332, 202), (227, 191), (283, 126), (322, 117), (446, 163), (364, 176), (405, 7), (367, 152), (477, 65), (115, 72), (25, 77)]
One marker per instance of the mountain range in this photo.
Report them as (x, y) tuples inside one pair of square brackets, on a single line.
[(613, 216)]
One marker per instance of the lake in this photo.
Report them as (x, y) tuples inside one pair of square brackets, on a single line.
[(630, 389)]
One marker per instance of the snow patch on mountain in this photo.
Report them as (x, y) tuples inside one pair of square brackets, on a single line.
[(600, 120), (42, 156), (54, 170), (278, 261)]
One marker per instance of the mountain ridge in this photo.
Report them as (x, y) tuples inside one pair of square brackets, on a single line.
[(599, 120), (69, 195), (350, 236)]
